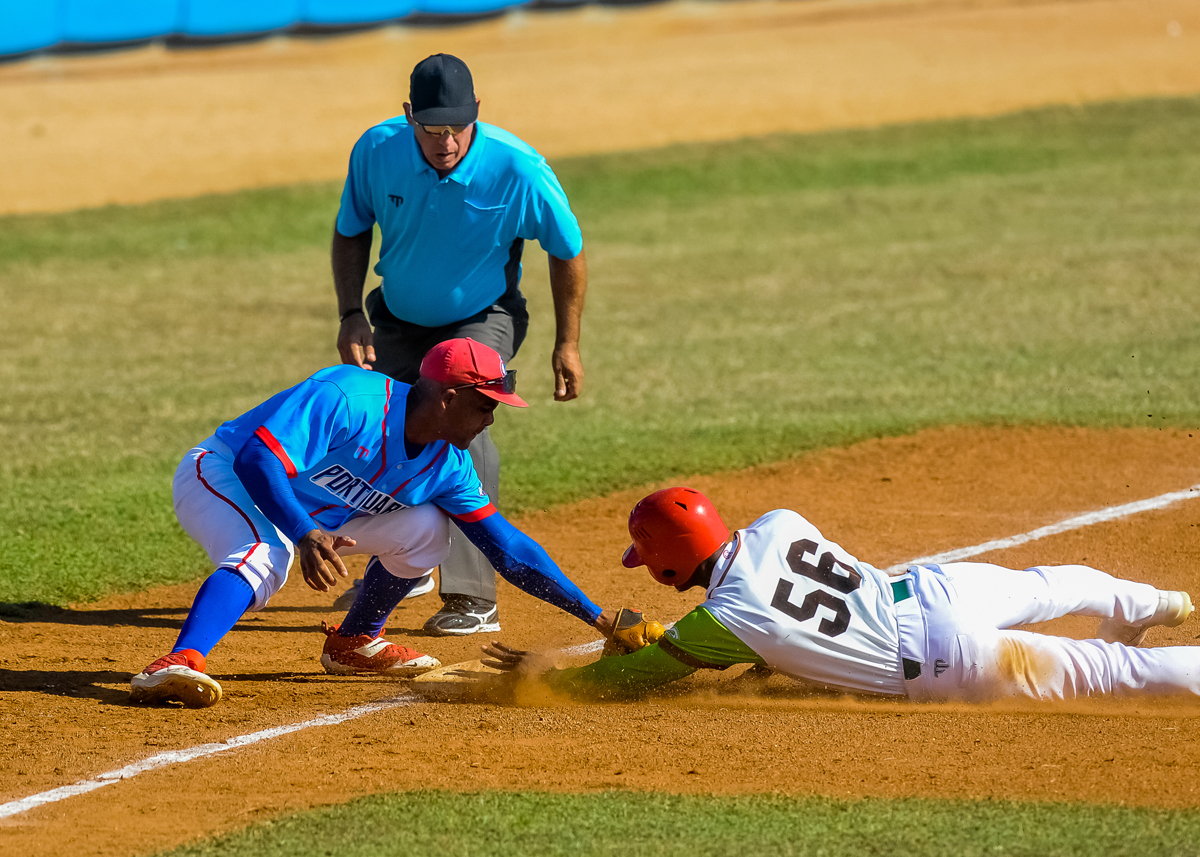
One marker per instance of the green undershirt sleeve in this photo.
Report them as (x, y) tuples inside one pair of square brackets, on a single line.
[(700, 640), (697, 641), (620, 676)]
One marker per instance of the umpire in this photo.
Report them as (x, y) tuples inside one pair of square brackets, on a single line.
[(455, 200)]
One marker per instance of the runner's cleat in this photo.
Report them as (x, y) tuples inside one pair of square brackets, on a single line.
[(1173, 609), (364, 654), (177, 677)]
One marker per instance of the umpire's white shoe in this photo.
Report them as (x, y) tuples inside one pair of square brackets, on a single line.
[(346, 600), (177, 677), (1173, 609)]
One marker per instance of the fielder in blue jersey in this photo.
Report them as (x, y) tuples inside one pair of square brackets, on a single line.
[(348, 462)]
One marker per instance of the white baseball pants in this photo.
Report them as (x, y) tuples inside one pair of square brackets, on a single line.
[(971, 654), (215, 510)]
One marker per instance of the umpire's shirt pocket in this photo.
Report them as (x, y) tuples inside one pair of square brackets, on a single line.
[(479, 228)]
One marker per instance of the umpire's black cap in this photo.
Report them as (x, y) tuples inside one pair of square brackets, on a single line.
[(441, 92)]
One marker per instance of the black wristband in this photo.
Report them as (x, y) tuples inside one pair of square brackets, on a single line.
[(349, 313)]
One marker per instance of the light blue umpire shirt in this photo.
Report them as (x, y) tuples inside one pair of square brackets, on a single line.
[(451, 247)]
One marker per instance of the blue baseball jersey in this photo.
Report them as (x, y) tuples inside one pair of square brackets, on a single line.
[(340, 437), (452, 246)]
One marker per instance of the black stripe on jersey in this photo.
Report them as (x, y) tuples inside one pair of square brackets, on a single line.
[(737, 546), (684, 658)]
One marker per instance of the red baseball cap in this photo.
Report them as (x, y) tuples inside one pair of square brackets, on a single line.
[(467, 363)]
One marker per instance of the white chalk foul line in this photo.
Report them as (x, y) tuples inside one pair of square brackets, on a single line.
[(1084, 520), (174, 757), (584, 648)]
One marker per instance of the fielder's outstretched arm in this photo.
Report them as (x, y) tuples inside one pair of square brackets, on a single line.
[(526, 565)]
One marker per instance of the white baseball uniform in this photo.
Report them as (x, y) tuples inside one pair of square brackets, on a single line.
[(783, 595)]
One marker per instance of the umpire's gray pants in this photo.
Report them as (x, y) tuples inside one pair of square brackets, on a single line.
[(399, 349)]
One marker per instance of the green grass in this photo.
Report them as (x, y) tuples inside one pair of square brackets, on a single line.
[(494, 824), (750, 301)]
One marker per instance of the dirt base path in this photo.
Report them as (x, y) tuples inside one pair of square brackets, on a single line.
[(64, 713), (151, 124)]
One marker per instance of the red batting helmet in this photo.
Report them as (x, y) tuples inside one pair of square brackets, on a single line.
[(673, 530)]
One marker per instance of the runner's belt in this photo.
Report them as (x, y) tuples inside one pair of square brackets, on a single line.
[(902, 591)]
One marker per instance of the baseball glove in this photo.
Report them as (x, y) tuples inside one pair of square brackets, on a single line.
[(631, 632)]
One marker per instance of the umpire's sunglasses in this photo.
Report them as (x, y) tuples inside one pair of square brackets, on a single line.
[(506, 384), (440, 130)]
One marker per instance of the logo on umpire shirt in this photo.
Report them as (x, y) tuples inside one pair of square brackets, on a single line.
[(355, 492)]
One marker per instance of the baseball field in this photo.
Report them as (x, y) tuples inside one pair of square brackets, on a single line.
[(933, 283)]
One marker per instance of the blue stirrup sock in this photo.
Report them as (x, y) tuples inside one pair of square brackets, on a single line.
[(378, 596), (221, 601)]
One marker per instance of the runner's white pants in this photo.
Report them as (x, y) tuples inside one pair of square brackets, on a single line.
[(215, 510), (963, 613)]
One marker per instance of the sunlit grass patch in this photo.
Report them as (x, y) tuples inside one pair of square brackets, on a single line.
[(498, 824)]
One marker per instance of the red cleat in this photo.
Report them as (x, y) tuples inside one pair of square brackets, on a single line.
[(366, 654), (177, 677)]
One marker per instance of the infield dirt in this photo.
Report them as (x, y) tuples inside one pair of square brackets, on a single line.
[(65, 672)]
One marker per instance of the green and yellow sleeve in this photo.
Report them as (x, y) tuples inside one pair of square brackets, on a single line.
[(697, 641)]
